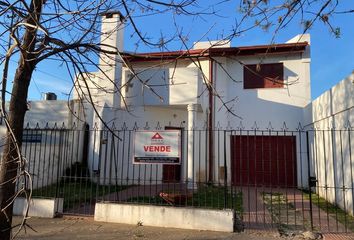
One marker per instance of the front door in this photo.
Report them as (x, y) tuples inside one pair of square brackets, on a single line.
[(172, 172)]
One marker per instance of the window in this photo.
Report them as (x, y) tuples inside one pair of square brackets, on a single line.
[(268, 76), (30, 136)]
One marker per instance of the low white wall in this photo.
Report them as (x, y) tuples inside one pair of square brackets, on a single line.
[(175, 217), (46, 208)]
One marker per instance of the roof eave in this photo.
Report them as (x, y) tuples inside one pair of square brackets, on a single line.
[(292, 48)]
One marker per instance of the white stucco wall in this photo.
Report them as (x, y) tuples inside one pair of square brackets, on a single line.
[(332, 145), (334, 107), (175, 217), (43, 112), (56, 150), (161, 86), (166, 83), (44, 208), (275, 105)]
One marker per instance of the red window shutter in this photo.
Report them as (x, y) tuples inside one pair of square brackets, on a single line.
[(269, 76)]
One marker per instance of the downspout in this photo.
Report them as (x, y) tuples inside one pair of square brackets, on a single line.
[(210, 121)]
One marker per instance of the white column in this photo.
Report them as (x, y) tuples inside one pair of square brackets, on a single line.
[(192, 118)]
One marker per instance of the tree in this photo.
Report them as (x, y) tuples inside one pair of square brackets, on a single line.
[(67, 31), (39, 30)]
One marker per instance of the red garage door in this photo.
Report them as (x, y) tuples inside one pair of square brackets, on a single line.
[(263, 160)]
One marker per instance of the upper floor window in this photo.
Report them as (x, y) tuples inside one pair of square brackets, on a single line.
[(269, 75)]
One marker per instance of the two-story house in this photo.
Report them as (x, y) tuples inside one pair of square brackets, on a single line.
[(209, 87)]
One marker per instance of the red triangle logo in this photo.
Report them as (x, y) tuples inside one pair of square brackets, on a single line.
[(157, 136)]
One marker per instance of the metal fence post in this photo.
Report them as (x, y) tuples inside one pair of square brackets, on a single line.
[(225, 172), (308, 176)]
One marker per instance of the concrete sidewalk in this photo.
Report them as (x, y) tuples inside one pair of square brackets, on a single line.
[(86, 228)]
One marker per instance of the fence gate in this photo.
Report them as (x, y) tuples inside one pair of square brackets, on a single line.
[(294, 180)]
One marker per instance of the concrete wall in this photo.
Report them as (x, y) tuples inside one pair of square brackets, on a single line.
[(46, 208), (43, 112), (332, 147), (187, 218), (56, 147), (334, 107), (48, 159)]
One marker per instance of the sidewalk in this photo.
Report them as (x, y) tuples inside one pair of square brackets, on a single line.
[(85, 228)]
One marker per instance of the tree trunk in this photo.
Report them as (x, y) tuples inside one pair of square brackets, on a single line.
[(9, 165), (17, 109)]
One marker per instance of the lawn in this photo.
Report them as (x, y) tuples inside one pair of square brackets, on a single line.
[(211, 197), (332, 210), (76, 192)]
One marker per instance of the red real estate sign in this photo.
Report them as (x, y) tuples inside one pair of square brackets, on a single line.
[(157, 147)]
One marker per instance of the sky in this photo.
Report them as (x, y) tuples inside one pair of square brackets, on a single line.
[(332, 59)]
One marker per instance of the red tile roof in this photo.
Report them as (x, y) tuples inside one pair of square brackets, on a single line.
[(289, 48)]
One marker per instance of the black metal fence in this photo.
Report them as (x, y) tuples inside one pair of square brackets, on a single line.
[(290, 180)]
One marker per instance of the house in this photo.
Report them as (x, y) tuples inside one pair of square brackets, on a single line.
[(211, 86), (243, 117)]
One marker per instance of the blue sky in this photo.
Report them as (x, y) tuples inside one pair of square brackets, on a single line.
[(331, 58)]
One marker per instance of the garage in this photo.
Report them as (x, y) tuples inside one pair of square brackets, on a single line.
[(268, 161)]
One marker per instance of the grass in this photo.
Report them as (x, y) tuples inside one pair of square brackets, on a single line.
[(75, 192), (217, 198), (211, 197), (156, 200), (332, 210), (283, 212)]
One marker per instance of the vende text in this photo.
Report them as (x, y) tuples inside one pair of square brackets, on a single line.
[(157, 148)]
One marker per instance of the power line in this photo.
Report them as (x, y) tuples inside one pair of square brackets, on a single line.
[(52, 75), (47, 73)]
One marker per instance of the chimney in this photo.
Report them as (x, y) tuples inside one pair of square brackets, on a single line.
[(112, 34)]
